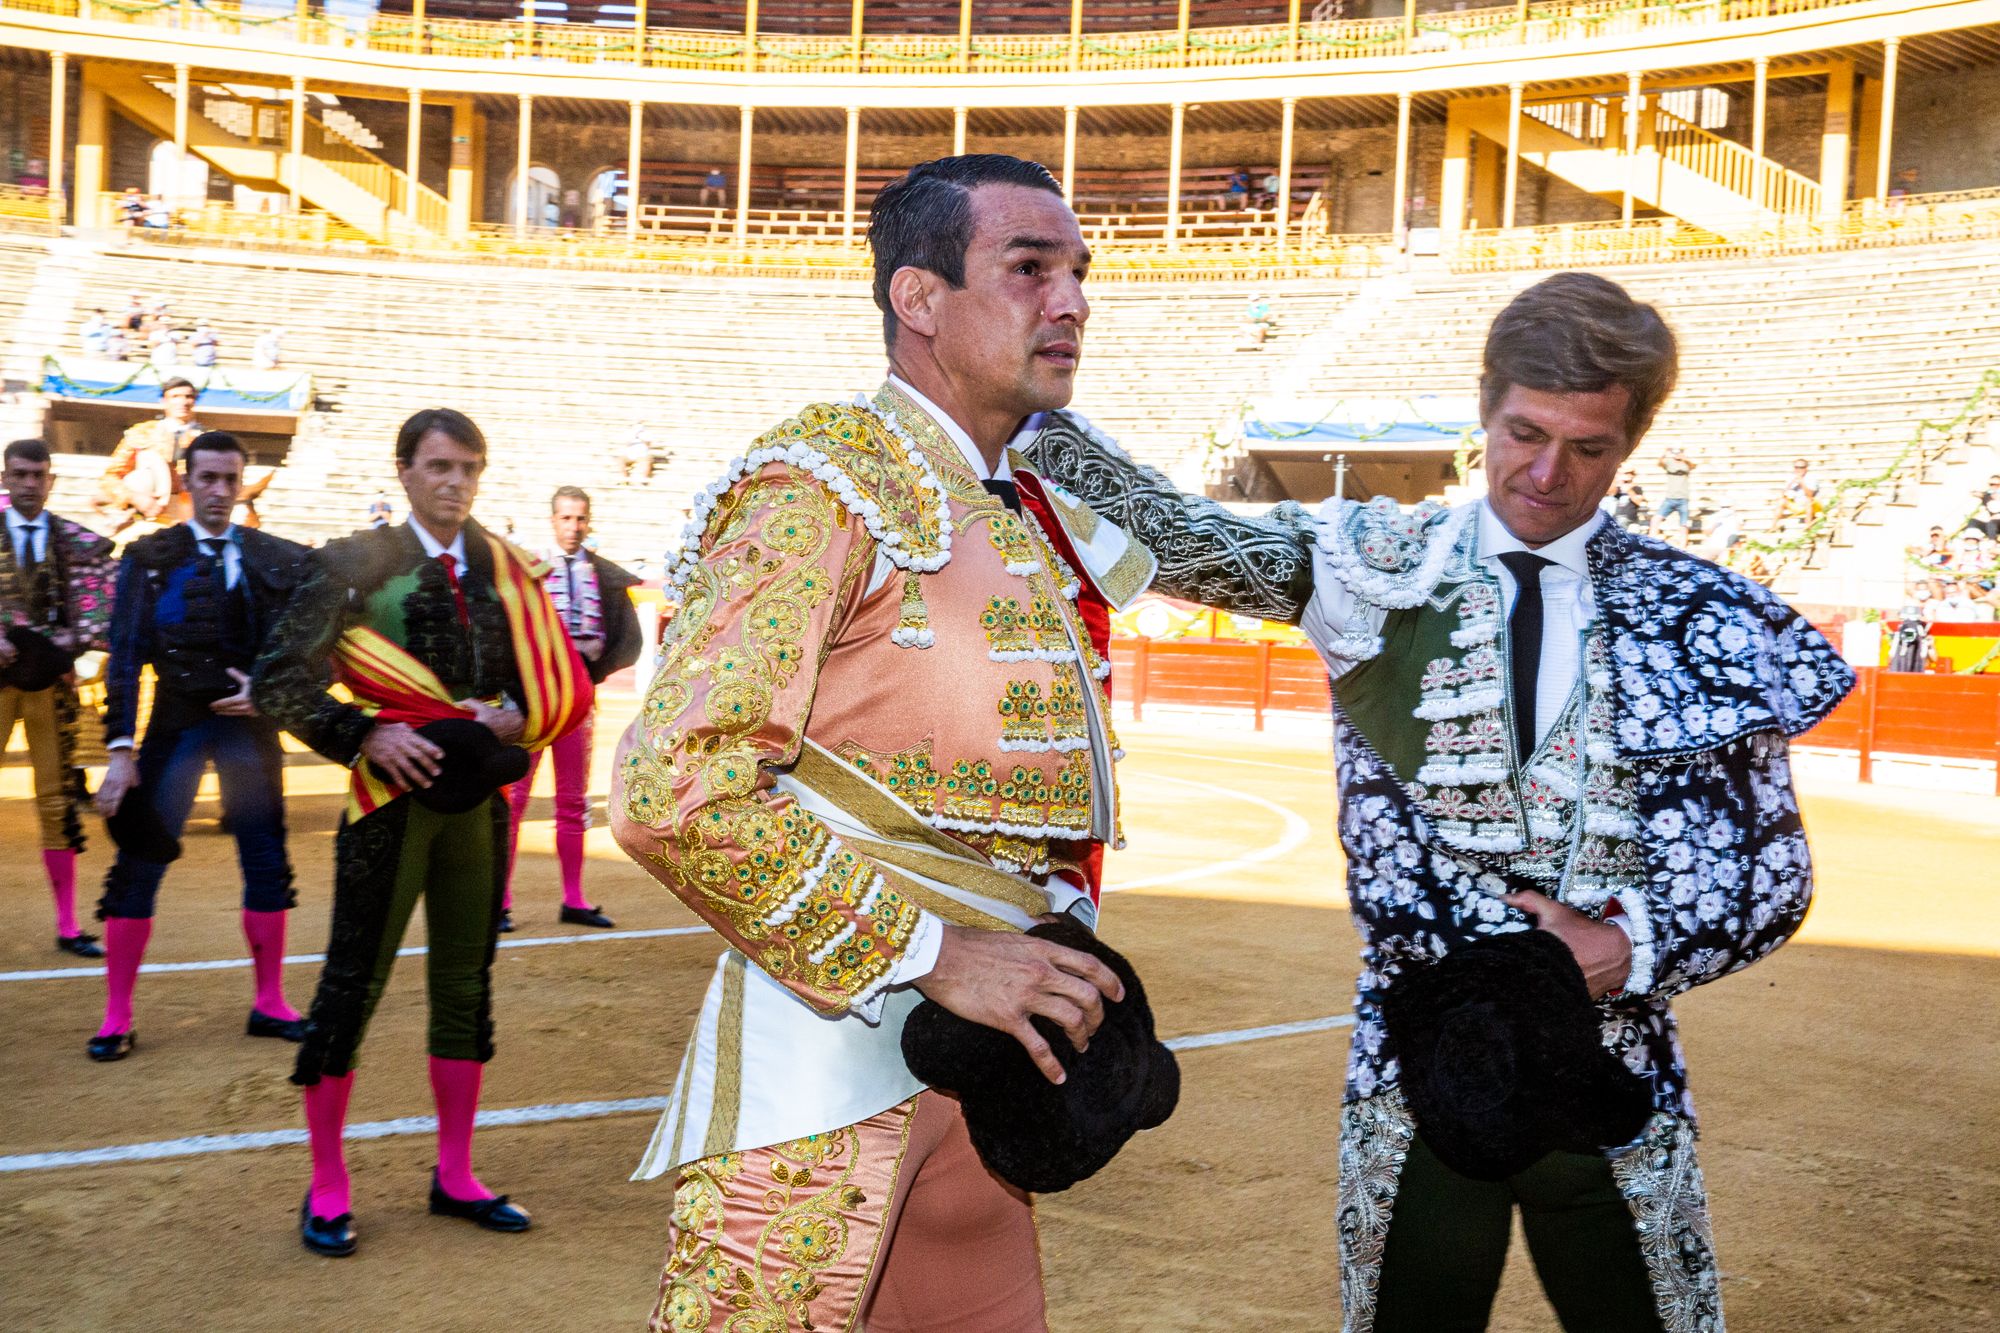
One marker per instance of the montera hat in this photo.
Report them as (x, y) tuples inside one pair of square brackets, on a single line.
[(1036, 1135), (37, 663), (1503, 1059), (475, 765), (138, 831)]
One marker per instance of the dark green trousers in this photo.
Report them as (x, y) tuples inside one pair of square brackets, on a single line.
[(383, 864), (1448, 1243)]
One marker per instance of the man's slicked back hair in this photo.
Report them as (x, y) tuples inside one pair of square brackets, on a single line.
[(28, 451), (213, 442), (1579, 333), (924, 220), (449, 421), (570, 493)]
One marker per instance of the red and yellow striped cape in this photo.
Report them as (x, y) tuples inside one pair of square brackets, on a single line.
[(394, 686)]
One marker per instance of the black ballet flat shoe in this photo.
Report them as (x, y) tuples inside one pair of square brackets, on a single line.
[(285, 1029), (495, 1214), (80, 944), (506, 923), (587, 916), (114, 1047), (332, 1237)]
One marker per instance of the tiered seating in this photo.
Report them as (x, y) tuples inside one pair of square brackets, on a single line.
[(558, 367), (834, 18), (1829, 357)]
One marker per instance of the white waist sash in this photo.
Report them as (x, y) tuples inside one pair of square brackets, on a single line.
[(763, 1066)]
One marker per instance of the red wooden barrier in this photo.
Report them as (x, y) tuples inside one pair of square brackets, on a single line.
[(1890, 712)]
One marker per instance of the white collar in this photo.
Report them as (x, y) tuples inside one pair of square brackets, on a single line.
[(555, 553), (39, 523), (435, 548), (201, 534), (1567, 551), (973, 458)]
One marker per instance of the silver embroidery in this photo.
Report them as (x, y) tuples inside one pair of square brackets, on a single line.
[(1375, 1134), (1252, 566), (1661, 1181)]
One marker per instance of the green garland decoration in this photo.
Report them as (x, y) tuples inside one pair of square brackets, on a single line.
[(218, 379), (1989, 381), (1986, 659), (549, 39), (1055, 49), (126, 7), (800, 58)]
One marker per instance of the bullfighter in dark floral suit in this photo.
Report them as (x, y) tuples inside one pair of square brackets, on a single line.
[(1540, 721)]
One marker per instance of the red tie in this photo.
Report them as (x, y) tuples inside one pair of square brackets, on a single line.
[(450, 563)]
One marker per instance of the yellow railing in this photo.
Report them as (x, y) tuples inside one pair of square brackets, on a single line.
[(1441, 33), (1733, 166), (1965, 215), (23, 209), (371, 174), (807, 244)]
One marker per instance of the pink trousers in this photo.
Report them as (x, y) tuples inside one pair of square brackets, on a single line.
[(572, 759), (893, 1224)]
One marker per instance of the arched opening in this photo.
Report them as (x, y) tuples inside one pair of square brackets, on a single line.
[(607, 200), (544, 198), (180, 179)]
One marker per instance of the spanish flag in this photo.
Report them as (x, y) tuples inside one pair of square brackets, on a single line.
[(394, 686)]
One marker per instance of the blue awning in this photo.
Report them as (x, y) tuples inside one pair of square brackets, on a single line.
[(222, 389), (1426, 421)]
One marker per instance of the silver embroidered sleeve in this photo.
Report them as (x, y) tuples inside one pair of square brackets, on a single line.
[(1253, 566)]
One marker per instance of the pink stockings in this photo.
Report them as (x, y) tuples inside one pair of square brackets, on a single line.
[(266, 933), (125, 940), (572, 761), (61, 864), (454, 1086)]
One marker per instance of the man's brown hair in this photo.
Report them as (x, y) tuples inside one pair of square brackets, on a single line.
[(453, 424), (1579, 333)]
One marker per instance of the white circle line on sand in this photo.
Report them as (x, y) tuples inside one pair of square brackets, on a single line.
[(202, 1145), (413, 951), (1297, 829)]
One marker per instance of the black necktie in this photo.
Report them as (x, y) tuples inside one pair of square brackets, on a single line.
[(1005, 491), (1524, 643), (573, 602), (31, 557), (213, 547)]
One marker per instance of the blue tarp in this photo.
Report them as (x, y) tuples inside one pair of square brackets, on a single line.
[(223, 389), (1424, 421)]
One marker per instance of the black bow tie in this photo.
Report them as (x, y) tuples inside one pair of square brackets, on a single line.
[(1007, 493)]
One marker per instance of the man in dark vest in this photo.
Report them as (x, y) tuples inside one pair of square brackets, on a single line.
[(593, 600), (196, 602), (55, 601)]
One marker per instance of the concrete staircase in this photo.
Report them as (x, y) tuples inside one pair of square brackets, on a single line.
[(335, 175), (1680, 169)]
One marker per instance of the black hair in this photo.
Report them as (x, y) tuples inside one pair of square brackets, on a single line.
[(570, 493), (28, 451), (924, 220), (453, 424), (212, 442)]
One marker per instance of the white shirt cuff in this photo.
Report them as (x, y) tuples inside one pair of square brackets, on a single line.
[(122, 743), (1623, 922), (921, 954), (1068, 897)]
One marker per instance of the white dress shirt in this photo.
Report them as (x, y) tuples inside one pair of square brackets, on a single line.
[(974, 459), (232, 554), (1568, 606), (435, 548), (22, 532)]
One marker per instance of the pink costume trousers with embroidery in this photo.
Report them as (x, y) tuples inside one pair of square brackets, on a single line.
[(893, 1224)]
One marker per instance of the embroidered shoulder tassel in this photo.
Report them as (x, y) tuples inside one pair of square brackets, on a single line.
[(913, 627)]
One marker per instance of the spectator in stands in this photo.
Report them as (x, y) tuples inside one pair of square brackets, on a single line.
[(1236, 192), (165, 351), (132, 207), (380, 512), (1959, 606), (1966, 559), (1627, 502), (96, 330), (116, 346), (1269, 197), (158, 216), (269, 350), (134, 318), (637, 456), (714, 189), (1985, 518), (1799, 501), (206, 347), (1936, 553), (1257, 322), (1674, 491)]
